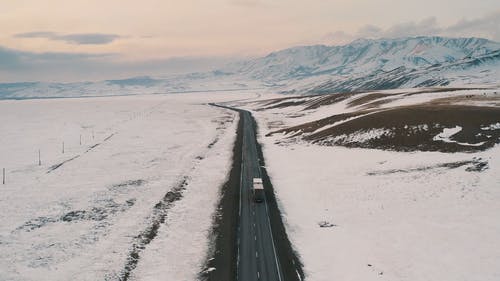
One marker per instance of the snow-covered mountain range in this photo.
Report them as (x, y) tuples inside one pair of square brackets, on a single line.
[(361, 65), (379, 64)]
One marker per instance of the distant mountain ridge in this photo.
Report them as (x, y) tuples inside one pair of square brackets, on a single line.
[(364, 64), (402, 62)]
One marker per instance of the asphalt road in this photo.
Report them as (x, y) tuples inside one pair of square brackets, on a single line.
[(251, 243), (257, 256)]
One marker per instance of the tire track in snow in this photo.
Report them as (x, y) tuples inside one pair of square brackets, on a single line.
[(160, 212)]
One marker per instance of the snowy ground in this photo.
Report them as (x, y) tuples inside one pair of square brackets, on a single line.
[(83, 220), (368, 214), (434, 223), (352, 214)]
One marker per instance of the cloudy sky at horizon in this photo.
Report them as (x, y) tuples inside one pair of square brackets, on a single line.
[(120, 38)]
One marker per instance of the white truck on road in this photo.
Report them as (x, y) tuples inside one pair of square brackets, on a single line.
[(258, 190)]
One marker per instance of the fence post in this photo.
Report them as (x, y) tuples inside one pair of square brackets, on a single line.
[(3, 177), (63, 148), (39, 158)]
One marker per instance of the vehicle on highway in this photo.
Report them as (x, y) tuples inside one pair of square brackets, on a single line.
[(258, 190)]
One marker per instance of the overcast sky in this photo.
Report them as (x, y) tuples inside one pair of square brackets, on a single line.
[(119, 38)]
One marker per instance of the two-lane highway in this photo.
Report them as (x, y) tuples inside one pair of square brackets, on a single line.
[(257, 257), (251, 240)]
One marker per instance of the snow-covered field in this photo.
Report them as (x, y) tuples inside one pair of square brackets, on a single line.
[(88, 218), (370, 214), (134, 192), (397, 216)]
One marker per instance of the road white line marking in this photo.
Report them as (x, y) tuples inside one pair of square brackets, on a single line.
[(298, 275), (255, 237), (239, 213), (256, 254), (241, 184), (258, 275), (272, 240)]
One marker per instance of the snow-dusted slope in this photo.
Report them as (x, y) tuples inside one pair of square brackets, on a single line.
[(366, 56), (379, 64)]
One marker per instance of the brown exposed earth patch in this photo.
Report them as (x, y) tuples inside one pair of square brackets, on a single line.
[(283, 102), (375, 124), (441, 90), (367, 98), (329, 99), (474, 165), (378, 103), (492, 100), (414, 128), (318, 124)]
